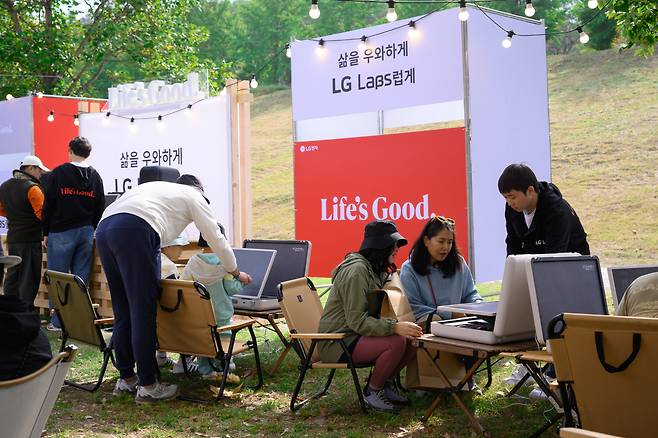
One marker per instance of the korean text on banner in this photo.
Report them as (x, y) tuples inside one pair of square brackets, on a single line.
[(395, 70)]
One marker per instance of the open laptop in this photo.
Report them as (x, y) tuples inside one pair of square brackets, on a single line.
[(622, 276), (564, 284), (291, 262), (507, 320), (257, 263)]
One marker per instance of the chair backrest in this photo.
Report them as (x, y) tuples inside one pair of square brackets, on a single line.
[(185, 319), (301, 307), (26, 402), (70, 298), (610, 363)]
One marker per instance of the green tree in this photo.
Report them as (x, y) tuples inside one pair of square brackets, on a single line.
[(82, 46), (637, 23)]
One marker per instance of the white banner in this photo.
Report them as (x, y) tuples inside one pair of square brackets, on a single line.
[(396, 69), (195, 141)]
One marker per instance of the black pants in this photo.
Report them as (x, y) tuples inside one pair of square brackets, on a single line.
[(23, 279)]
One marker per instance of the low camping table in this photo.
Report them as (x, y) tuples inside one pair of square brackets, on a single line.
[(271, 316), (480, 352)]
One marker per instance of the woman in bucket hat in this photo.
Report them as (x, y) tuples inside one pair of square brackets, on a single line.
[(382, 340)]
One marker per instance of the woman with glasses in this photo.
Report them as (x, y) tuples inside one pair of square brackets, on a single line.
[(436, 274)]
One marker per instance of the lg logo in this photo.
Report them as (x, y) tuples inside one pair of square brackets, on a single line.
[(309, 148)]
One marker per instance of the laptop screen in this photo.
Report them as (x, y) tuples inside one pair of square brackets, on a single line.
[(622, 276), (291, 261), (257, 263), (569, 284)]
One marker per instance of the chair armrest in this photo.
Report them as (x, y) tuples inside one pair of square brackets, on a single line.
[(104, 321), (95, 305), (320, 336), (235, 325)]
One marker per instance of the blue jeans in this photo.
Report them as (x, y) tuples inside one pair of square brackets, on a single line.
[(71, 251)]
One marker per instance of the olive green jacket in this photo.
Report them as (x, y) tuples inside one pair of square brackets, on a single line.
[(351, 308)]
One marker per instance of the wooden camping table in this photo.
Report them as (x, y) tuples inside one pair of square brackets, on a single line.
[(271, 316), (480, 352)]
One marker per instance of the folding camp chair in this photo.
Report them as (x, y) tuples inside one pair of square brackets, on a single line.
[(26, 402), (186, 324), (608, 362), (79, 319), (302, 309)]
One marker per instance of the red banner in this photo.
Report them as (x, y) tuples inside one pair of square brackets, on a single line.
[(341, 185)]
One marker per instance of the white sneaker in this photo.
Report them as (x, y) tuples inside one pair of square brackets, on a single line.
[(392, 394), (123, 387), (159, 392), (163, 360), (192, 367), (519, 372), (53, 328)]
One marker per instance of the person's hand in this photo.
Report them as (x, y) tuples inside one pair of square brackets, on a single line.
[(45, 242), (408, 329), (244, 278)]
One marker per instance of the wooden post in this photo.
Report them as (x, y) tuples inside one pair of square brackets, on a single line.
[(240, 110)]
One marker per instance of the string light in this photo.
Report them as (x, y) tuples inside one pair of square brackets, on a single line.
[(412, 32), (529, 9), (288, 51), (507, 42), (189, 108), (254, 83), (51, 116), (76, 120), (592, 4), (39, 95), (320, 47), (314, 12), (132, 120), (9, 96), (362, 45), (463, 12), (391, 14), (583, 37), (160, 118)]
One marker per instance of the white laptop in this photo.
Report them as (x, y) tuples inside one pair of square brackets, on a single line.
[(508, 320), (291, 262), (257, 263)]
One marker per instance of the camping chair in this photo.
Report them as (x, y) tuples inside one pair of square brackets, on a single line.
[(186, 324), (26, 402), (608, 362), (302, 309), (80, 321)]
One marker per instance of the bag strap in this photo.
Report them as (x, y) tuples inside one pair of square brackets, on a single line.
[(67, 289), (598, 339), (178, 301), (432, 289)]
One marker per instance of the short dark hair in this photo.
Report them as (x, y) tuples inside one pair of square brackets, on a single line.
[(202, 242), (80, 146), (517, 177), (421, 258), (190, 180)]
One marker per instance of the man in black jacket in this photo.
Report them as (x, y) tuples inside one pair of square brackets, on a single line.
[(21, 202), (538, 219), (24, 347), (73, 207)]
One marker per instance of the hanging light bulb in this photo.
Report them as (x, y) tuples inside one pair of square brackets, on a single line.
[(253, 83), (319, 49), (362, 44), (76, 120), (529, 9), (51, 116), (592, 4), (391, 15), (107, 114), (39, 94), (584, 38), (189, 108), (412, 32), (463, 12), (9, 96), (132, 120), (314, 12), (507, 42), (288, 51), (160, 118)]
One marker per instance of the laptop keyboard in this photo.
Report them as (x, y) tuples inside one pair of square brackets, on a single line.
[(477, 325)]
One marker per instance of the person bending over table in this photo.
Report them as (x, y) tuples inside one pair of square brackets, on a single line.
[(128, 240), (382, 340), (435, 273)]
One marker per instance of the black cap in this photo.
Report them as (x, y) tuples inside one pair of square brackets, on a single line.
[(192, 181), (381, 235)]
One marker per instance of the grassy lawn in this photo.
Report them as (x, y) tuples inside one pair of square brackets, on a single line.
[(265, 412)]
